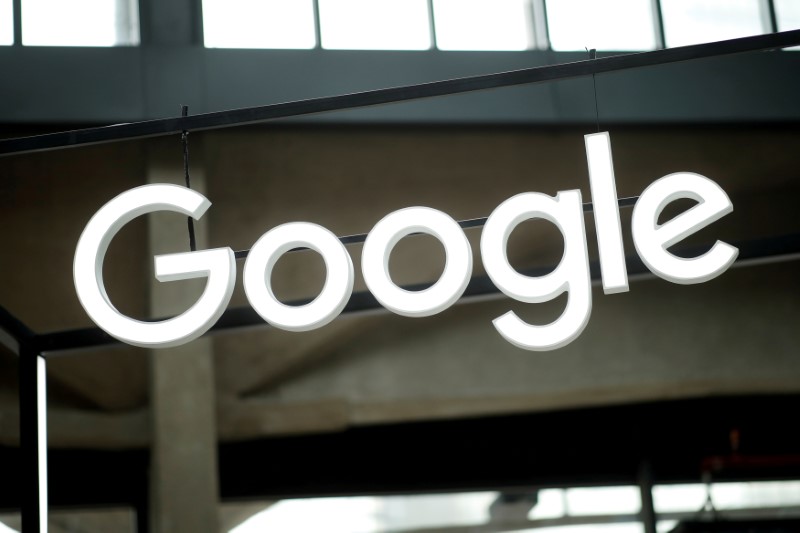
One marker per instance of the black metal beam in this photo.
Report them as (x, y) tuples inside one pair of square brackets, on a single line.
[(469, 223), (761, 250), (13, 327), (80, 478), (238, 117), (574, 447), (648, 512), (16, 6)]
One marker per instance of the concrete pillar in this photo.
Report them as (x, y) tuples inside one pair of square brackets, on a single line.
[(183, 478)]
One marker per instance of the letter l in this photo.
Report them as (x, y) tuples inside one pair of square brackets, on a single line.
[(606, 213)]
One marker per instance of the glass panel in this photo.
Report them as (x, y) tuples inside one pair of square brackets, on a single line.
[(755, 494), (6, 22), (467, 510), (483, 24), (551, 503), (375, 24), (80, 22), (618, 25), (692, 497), (372, 514), (679, 498), (603, 500), (788, 14), (259, 24), (702, 21), (590, 528)]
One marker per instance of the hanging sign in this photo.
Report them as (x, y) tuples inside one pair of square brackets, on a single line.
[(565, 211)]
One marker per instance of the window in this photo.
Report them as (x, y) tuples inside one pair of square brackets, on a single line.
[(6, 22), (365, 514), (80, 22), (483, 24), (788, 14), (619, 25), (578, 509), (701, 21), (259, 24), (375, 24)]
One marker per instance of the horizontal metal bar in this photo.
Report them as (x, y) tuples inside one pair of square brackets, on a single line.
[(465, 224), (14, 328), (238, 117), (750, 252)]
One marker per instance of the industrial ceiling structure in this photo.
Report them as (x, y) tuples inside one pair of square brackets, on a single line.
[(668, 383)]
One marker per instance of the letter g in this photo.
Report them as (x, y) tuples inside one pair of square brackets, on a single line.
[(219, 265)]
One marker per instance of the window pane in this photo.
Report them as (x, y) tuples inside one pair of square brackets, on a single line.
[(483, 24), (588, 528), (375, 24), (788, 12), (690, 497), (619, 25), (702, 21), (363, 514), (80, 22), (259, 24), (603, 500), (6, 22)]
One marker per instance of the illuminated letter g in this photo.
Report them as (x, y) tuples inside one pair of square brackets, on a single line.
[(219, 265)]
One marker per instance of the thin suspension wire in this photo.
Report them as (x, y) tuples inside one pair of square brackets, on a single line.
[(593, 55), (185, 141), (658, 23)]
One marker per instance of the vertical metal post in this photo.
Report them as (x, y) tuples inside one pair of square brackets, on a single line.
[(317, 24), (658, 24), (541, 33), (648, 512), (198, 31), (769, 16), (17, 7), (432, 25), (33, 439)]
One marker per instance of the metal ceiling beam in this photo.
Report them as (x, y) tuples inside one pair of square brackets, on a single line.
[(252, 115), (760, 251)]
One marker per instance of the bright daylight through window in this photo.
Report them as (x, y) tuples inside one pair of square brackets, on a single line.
[(259, 24), (618, 25), (375, 24), (6, 22), (572, 25), (80, 22), (568, 506), (483, 24), (701, 21), (788, 14)]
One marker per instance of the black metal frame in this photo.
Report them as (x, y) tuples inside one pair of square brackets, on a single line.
[(253, 115), (31, 347)]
